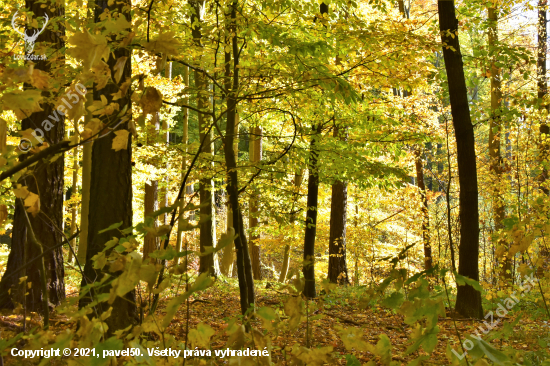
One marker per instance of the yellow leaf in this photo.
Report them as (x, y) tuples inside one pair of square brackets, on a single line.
[(120, 142), (40, 79), (23, 103), (33, 203), (89, 48), (118, 25), (165, 43), (21, 192), (119, 67)]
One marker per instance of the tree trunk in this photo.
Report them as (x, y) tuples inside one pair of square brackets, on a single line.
[(298, 177), (3, 140), (111, 189), (311, 216), (425, 213), (495, 164), (166, 140), (244, 266), (86, 182), (73, 209), (542, 90), (207, 263), (254, 243), (46, 180), (337, 264), (180, 235), (228, 256), (468, 301), (150, 241)]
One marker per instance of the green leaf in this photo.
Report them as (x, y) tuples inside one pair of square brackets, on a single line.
[(462, 280), (418, 361), (267, 313), (351, 360), (110, 344), (5, 343), (112, 227), (353, 339), (492, 353), (200, 337), (393, 301)]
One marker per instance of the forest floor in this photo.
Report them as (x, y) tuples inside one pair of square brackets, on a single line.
[(216, 305)]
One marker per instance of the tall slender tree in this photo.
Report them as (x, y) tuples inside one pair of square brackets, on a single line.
[(208, 263), (111, 182), (298, 177), (428, 264), (495, 162), (185, 137), (468, 301), (337, 264), (46, 180), (542, 89), (150, 241), (232, 82), (311, 214), (254, 242)]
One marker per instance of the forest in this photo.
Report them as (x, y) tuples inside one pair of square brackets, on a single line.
[(274, 182)]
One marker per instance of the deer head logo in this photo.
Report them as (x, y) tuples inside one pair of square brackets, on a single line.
[(29, 40)]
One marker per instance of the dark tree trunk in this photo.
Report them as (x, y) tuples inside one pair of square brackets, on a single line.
[(150, 204), (494, 138), (254, 244), (244, 266), (111, 190), (150, 242), (311, 216), (425, 213), (207, 263), (337, 263), (468, 302), (49, 177), (542, 90), (286, 256)]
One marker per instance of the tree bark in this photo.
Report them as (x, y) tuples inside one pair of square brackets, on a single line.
[(244, 266), (228, 256), (86, 181), (495, 163), (181, 237), (298, 177), (425, 213), (468, 302), (311, 216), (337, 263), (74, 208), (111, 188), (254, 243), (542, 91), (46, 180), (150, 241), (207, 263)]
